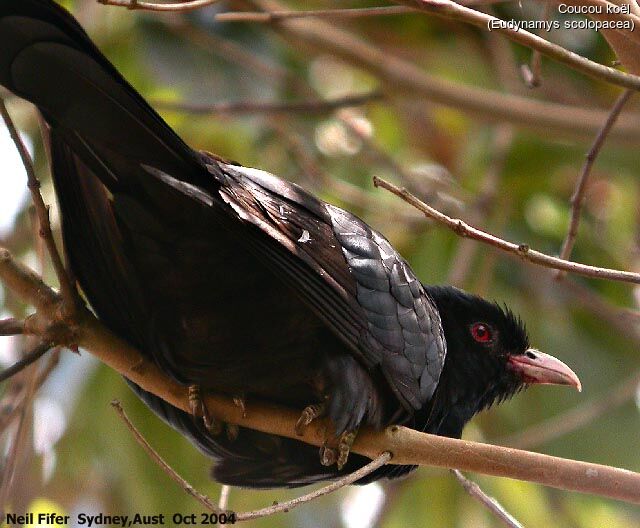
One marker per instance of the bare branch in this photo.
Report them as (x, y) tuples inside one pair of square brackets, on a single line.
[(463, 259), (188, 488), (532, 73), (9, 412), (252, 107), (152, 6), (488, 502), (379, 461), (333, 14), (625, 321), (11, 327), (521, 250), (223, 501), (67, 289), (577, 199), (451, 10), (13, 461), (29, 358)]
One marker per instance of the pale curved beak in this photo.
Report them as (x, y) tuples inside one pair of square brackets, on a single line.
[(537, 367)]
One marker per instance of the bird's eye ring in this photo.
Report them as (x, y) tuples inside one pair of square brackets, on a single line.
[(482, 333)]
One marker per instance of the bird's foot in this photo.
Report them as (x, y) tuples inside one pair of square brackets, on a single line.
[(239, 401), (309, 414), (345, 441), (232, 431), (328, 455), (199, 409), (340, 454)]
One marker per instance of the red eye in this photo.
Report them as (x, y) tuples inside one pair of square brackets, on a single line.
[(481, 333)]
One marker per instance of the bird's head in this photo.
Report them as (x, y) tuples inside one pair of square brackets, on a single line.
[(488, 360)]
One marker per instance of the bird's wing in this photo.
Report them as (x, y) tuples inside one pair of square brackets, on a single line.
[(348, 273)]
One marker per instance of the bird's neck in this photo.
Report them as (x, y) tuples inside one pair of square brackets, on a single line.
[(465, 386)]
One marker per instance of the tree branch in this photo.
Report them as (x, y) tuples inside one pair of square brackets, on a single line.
[(66, 288), (251, 107), (400, 76), (153, 454), (488, 502), (30, 357), (451, 10), (319, 13), (520, 250), (223, 501), (377, 462), (406, 445), (11, 327), (532, 72), (152, 6), (577, 199), (9, 411)]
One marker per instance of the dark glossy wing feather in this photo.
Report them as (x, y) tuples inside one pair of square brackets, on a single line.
[(397, 324)]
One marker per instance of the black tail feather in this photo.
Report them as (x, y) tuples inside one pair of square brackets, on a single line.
[(47, 58)]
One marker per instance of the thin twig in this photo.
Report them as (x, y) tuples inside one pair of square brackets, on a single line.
[(333, 14), (223, 501), (252, 107), (21, 440), (378, 462), (577, 199), (488, 502), (532, 73), (521, 250), (624, 321), (9, 413), (451, 10), (30, 357), (575, 418), (462, 262), (66, 288), (151, 6), (11, 327), (188, 488)]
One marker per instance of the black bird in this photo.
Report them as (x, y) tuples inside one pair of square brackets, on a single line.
[(235, 281)]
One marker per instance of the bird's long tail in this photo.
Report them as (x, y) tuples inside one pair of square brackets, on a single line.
[(103, 134), (47, 58)]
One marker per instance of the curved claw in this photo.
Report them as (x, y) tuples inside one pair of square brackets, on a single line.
[(195, 401), (232, 431), (239, 401), (309, 414), (199, 409), (328, 455), (344, 447)]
